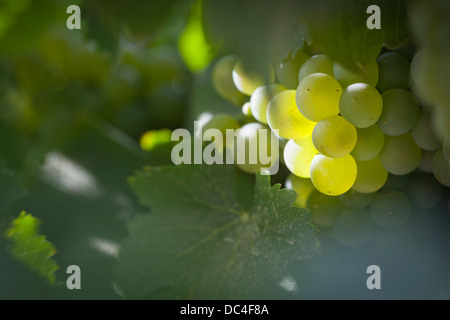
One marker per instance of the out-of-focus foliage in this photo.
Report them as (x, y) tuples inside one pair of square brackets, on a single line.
[(76, 104), (31, 248)]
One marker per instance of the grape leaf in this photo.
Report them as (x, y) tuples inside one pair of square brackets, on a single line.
[(199, 243), (258, 32), (394, 23), (343, 35), (31, 248)]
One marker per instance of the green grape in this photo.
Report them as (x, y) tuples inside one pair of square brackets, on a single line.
[(316, 64), (333, 176), (305, 141), (222, 122), (371, 175), (298, 159), (417, 63), (355, 199), (153, 139), (441, 168), (283, 115), (318, 96), (400, 155), (250, 134), (246, 81), (400, 112), (446, 149), (395, 182), (390, 209), (369, 143), (353, 228), (246, 110), (393, 72), (302, 186), (346, 77), (361, 104), (426, 161), (326, 209), (334, 137), (287, 70), (222, 80), (423, 190), (423, 132), (260, 99)]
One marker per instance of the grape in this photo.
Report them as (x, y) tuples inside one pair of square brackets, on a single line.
[(361, 104), (326, 209), (371, 175), (353, 228), (303, 187), (416, 64), (426, 161), (283, 114), (246, 109), (355, 199), (287, 71), (390, 209), (441, 168), (334, 137), (250, 134), (346, 77), (222, 80), (246, 81), (423, 190), (423, 132), (153, 139), (395, 182), (305, 141), (298, 159), (318, 96), (316, 64), (400, 155), (400, 112), (333, 176), (393, 72), (260, 100), (222, 122), (369, 143), (446, 149)]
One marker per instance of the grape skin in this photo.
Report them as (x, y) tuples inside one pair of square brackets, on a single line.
[(390, 209), (317, 96), (400, 155), (260, 99), (319, 63), (400, 112), (284, 116), (369, 143), (334, 137), (333, 176), (361, 104)]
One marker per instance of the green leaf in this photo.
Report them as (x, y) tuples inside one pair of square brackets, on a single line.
[(258, 32), (199, 243), (142, 18), (342, 33), (394, 23), (10, 187), (31, 248)]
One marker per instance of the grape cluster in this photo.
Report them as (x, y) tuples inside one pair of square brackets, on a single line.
[(341, 130)]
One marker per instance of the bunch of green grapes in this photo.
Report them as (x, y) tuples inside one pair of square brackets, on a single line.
[(343, 131)]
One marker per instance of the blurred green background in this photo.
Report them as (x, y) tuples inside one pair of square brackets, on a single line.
[(74, 105)]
